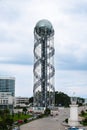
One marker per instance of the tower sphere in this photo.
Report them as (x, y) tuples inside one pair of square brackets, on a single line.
[(44, 28)]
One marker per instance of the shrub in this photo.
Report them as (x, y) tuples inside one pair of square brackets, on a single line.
[(82, 112), (41, 116), (25, 120), (84, 121), (66, 120), (47, 111)]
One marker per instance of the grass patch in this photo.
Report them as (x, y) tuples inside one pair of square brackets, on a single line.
[(17, 117), (84, 115)]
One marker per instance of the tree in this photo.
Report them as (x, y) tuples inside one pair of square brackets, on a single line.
[(62, 99), (31, 100), (3, 125), (25, 110), (47, 111), (9, 122), (1, 113), (19, 114), (80, 101), (6, 112), (6, 122)]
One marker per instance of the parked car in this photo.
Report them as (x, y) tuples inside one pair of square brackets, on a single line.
[(75, 128), (20, 121)]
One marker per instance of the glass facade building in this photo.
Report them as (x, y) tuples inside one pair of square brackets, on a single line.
[(7, 93), (7, 85)]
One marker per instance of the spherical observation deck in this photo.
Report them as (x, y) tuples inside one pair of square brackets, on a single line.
[(44, 28)]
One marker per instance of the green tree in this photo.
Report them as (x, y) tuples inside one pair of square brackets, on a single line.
[(6, 122), (62, 99), (31, 100), (19, 114), (9, 123), (1, 114), (80, 101), (47, 111), (24, 110), (6, 112)]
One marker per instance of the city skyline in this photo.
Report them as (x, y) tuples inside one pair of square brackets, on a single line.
[(17, 21)]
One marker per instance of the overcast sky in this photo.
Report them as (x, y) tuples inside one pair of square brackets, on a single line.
[(69, 19)]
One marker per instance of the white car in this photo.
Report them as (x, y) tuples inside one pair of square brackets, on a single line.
[(16, 128)]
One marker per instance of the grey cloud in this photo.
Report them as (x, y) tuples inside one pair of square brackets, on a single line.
[(78, 8), (21, 60), (72, 81), (70, 62)]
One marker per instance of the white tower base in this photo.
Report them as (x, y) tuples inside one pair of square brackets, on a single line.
[(73, 120)]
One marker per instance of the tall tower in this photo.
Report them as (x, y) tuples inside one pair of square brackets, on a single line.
[(43, 90)]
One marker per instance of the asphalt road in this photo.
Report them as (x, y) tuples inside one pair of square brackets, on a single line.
[(49, 123)]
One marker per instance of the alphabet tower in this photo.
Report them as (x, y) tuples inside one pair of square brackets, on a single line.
[(44, 90)]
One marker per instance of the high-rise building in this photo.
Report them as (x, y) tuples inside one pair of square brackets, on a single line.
[(7, 84), (7, 92), (43, 90)]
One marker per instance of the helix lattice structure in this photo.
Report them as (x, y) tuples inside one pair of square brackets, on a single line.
[(44, 91)]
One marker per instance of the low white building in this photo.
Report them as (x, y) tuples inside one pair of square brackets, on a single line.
[(21, 101), (7, 92), (6, 100)]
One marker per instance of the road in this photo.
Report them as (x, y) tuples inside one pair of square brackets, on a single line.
[(49, 123)]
